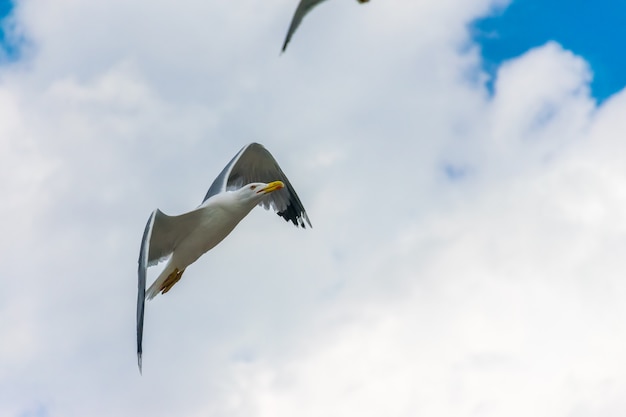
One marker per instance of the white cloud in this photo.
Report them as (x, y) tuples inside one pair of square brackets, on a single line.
[(495, 293)]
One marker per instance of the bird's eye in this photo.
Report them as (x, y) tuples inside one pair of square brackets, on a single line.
[(252, 187)]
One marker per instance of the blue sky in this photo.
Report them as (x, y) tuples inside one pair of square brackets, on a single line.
[(594, 30), (5, 8)]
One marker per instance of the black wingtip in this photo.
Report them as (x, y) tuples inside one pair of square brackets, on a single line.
[(298, 218), (287, 39), (139, 363)]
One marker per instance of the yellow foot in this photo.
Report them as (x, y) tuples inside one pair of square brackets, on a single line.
[(172, 279)]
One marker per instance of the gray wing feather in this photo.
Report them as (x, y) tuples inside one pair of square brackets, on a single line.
[(303, 8), (254, 163), (160, 237), (219, 183), (168, 231), (141, 285)]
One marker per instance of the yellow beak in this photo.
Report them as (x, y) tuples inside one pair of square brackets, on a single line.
[(272, 186)]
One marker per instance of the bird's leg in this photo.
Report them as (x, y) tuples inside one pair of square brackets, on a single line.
[(172, 279)]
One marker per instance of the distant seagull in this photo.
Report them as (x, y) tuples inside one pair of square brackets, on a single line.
[(304, 7), (251, 178)]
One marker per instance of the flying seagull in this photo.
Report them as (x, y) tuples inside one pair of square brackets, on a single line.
[(251, 178), (304, 7)]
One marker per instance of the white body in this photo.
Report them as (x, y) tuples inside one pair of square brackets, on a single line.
[(218, 216)]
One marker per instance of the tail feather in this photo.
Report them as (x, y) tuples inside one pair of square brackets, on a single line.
[(166, 280)]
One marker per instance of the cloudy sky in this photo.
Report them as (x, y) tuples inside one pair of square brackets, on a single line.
[(463, 163)]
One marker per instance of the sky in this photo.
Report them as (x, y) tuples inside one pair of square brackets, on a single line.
[(592, 30), (5, 9), (464, 179)]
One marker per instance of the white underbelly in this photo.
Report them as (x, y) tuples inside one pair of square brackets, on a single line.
[(205, 237)]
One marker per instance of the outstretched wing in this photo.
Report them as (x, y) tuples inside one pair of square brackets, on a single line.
[(160, 237), (303, 8), (254, 163), (141, 285)]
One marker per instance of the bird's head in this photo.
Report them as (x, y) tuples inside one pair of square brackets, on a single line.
[(257, 190)]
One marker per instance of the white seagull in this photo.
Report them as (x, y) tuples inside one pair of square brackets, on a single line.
[(303, 8), (251, 178)]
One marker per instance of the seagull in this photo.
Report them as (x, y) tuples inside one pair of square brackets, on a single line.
[(251, 178), (304, 7)]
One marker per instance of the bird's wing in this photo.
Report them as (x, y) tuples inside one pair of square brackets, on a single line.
[(253, 163), (160, 237), (220, 182), (303, 8)]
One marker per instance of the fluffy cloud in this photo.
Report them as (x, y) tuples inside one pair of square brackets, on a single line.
[(466, 251)]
